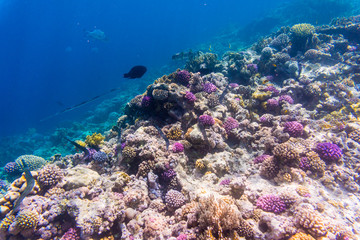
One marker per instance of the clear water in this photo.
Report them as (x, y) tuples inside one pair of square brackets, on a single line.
[(49, 63)]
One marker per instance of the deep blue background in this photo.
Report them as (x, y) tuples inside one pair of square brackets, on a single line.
[(47, 63)]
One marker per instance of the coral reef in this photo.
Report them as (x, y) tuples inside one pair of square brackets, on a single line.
[(258, 144)]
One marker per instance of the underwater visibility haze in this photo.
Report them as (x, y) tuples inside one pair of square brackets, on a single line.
[(180, 120)]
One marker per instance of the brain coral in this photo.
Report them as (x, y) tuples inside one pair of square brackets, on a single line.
[(31, 161), (27, 220), (50, 175), (302, 30), (174, 199), (328, 151)]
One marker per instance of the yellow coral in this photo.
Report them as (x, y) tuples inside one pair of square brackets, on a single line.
[(125, 176), (199, 164), (6, 222), (94, 140), (302, 236), (302, 30), (174, 133), (261, 95), (27, 220), (303, 191)]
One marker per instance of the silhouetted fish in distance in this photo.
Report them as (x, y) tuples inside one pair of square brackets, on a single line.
[(136, 72)]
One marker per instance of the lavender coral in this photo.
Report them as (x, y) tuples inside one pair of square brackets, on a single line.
[(286, 98), (209, 88), (230, 124), (294, 128), (206, 120), (183, 77), (146, 101), (190, 97), (271, 203), (328, 151)]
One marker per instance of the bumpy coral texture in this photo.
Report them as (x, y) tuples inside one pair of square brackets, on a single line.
[(6, 222), (294, 128), (27, 220), (190, 97), (174, 199), (355, 135), (100, 156), (32, 162), (302, 30), (174, 133), (272, 104), (286, 153), (269, 168), (11, 167), (286, 98), (271, 203), (178, 147), (71, 234), (312, 221), (261, 158), (302, 236), (209, 88), (183, 77), (94, 140), (128, 153), (230, 124), (328, 151), (50, 175), (206, 120)]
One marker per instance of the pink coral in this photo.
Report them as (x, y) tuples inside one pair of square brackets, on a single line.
[(71, 234), (206, 120), (178, 147), (294, 128), (271, 203), (190, 97), (230, 124), (209, 88)]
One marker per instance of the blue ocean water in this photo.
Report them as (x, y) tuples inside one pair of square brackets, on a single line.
[(47, 63)]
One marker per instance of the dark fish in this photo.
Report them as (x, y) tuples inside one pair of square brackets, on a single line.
[(30, 182), (84, 149), (136, 72), (163, 136)]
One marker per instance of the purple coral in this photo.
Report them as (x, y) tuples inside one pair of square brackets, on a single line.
[(182, 237), (272, 89), (294, 128), (174, 199), (261, 158), (209, 88), (183, 77), (190, 97), (230, 124), (206, 120), (178, 147), (304, 163), (233, 85), (71, 234), (252, 67), (11, 167), (146, 101), (328, 151), (286, 98), (168, 175), (225, 181), (271, 203), (272, 104)]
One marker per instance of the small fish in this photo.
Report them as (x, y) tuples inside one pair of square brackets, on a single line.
[(229, 45), (210, 48), (136, 72)]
